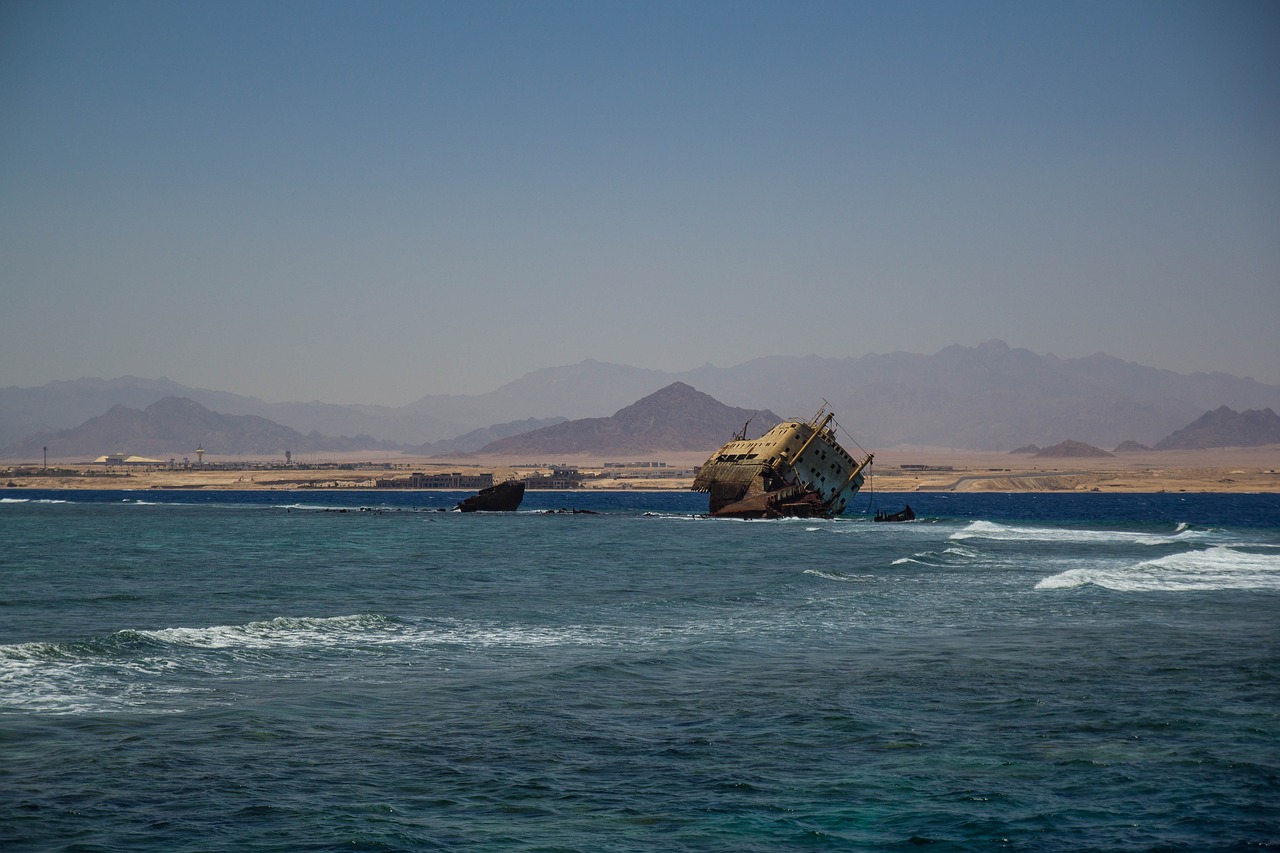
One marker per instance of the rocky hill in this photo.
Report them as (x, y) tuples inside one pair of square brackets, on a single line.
[(1225, 427), (478, 438), (1072, 450), (677, 417), (176, 426)]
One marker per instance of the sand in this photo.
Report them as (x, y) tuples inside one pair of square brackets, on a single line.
[(1221, 470)]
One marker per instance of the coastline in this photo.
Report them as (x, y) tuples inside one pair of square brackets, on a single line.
[(1226, 470)]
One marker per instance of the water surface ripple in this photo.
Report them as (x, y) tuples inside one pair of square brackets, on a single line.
[(238, 671)]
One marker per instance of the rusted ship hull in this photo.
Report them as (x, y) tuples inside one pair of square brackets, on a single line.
[(796, 470), (785, 503), (504, 497)]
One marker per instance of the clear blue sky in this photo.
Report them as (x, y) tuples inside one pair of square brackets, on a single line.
[(367, 202)]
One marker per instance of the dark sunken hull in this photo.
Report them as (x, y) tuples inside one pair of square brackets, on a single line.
[(783, 503), (904, 514), (504, 497)]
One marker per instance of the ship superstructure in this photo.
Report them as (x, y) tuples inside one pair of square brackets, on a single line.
[(796, 469)]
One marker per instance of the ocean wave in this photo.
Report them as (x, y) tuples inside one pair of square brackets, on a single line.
[(159, 670), (80, 678), (1216, 568), (284, 633), (993, 531), (837, 576), (371, 630)]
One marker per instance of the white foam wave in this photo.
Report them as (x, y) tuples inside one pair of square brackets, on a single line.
[(283, 633), (368, 630), (75, 679), (1013, 533), (1215, 568), (14, 500), (156, 671), (834, 576)]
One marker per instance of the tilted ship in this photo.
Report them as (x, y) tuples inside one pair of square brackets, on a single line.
[(795, 470)]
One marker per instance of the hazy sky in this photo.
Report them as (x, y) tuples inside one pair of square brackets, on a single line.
[(367, 202)]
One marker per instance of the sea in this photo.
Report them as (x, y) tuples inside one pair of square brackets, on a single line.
[(614, 671)]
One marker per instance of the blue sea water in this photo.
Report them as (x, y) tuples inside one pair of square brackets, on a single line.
[(228, 671)]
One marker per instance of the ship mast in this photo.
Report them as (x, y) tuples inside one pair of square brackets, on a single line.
[(857, 469)]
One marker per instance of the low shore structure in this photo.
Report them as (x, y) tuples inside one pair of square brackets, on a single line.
[(895, 470)]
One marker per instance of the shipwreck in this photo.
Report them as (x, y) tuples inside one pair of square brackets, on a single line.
[(504, 497), (795, 470)]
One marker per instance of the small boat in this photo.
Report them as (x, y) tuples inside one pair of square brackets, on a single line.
[(904, 514), (504, 497), (795, 470)]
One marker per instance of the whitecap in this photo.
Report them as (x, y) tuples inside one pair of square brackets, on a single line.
[(283, 633), (832, 576), (85, 678), (1215, 568), (1015, 533)]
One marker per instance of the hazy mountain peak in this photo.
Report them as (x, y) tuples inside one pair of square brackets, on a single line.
[(675, 417), (1225, 427)]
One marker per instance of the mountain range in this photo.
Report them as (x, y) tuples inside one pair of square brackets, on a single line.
[(176, 426), (986, 397), (677, 417)]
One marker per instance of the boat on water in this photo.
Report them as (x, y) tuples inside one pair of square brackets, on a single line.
[(504, 497), (795, 470)]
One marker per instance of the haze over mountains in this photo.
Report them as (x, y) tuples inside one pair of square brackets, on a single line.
[(1224, 427), (677, 417), (988, 397), (175, 426)]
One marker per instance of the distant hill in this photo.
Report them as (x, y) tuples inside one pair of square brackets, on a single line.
[(175, 427), (478, 438), (1072, 449), (677, 417), (1131, 447), (985, 397), (67, 404), (1225, 427)]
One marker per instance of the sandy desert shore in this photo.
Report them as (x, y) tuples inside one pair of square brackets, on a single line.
[(894, 470)]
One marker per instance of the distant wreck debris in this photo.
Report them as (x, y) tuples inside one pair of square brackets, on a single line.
[(904, 514), (504, 497)]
